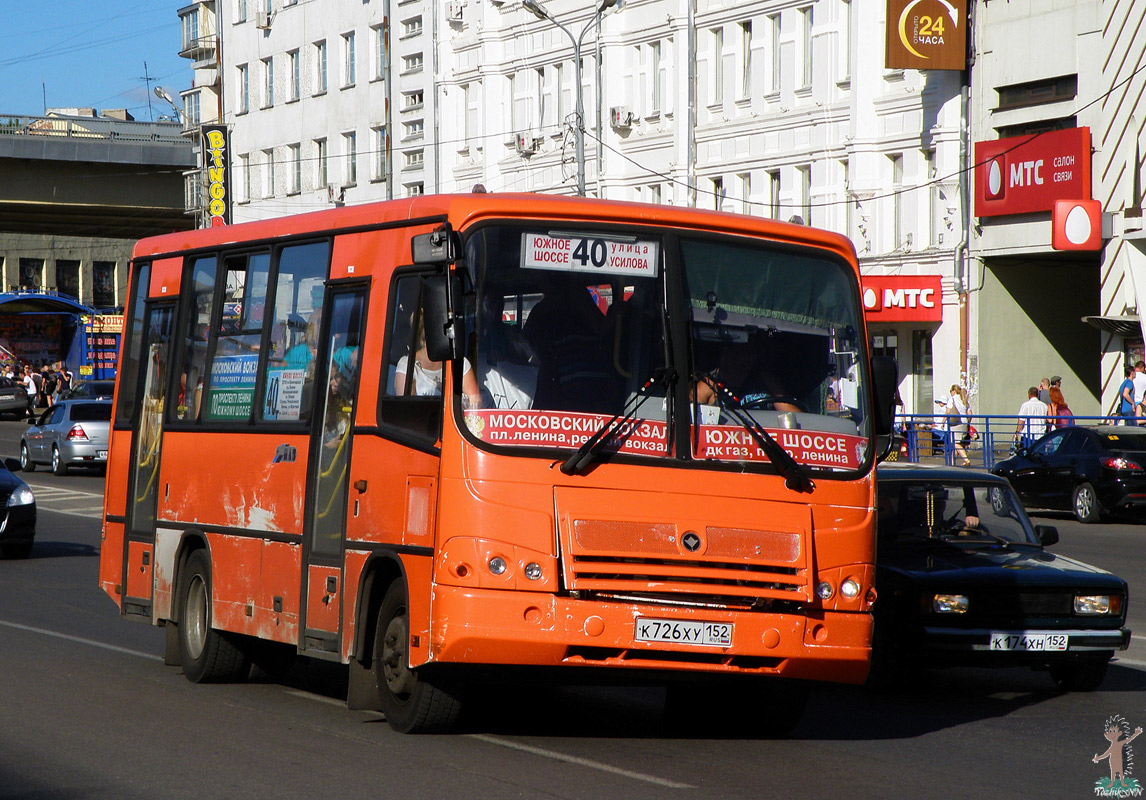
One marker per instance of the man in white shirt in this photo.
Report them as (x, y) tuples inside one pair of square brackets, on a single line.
[(1032, 419), (1139, 388), (29, 386)]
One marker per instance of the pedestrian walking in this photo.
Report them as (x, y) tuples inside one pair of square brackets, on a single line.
[(1139, 389), (1032, 419), (51, 383), (38, 379), (958, 424), (1058, 413), (1044, 390), (30, 388), (1126, 397)]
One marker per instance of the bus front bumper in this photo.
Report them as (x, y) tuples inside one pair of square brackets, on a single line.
[(488, 626)]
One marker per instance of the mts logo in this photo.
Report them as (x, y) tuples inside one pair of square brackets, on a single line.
[(1019, 174), (1027, 173), (875, 300)]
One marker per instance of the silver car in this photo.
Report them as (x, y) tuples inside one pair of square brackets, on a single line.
[(72, 433)]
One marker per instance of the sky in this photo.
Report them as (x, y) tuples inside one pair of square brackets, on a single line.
[(77, 53)]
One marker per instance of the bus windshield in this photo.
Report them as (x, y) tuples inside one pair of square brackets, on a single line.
[(570, 331)]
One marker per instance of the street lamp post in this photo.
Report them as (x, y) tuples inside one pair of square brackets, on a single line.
[(534, 8)]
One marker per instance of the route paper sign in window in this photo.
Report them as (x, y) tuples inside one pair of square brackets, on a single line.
[(590, 253)]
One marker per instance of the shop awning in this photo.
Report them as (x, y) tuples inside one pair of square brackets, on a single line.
[(24, 302), (1127, 326)]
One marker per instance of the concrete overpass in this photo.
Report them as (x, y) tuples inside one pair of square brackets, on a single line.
[(92, 176)]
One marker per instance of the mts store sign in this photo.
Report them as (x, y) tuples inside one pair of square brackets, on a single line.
[(1023, 174), (903, 298)]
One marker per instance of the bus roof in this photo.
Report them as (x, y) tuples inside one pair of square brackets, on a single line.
[(463, 209)]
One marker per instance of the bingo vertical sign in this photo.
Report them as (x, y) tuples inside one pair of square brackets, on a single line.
[(216, 149)]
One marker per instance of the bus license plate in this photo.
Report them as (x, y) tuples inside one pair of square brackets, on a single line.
[(1029, 641), (677, 631), (101, 453)]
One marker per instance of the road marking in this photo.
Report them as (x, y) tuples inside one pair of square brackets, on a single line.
[(80, 640), (581, 762), (57, 500), (330, 701)]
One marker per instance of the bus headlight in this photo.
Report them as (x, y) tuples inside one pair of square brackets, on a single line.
[(824, 590), (850, 589), (950, 603)]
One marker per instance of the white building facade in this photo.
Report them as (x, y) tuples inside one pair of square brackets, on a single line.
[(776, 108)]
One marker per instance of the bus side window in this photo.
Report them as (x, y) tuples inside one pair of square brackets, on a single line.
[(411, 398), (193, 372), (288, 394)]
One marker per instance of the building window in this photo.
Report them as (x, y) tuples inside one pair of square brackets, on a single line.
[(774, 53), (411, 100), (268, 82), (68, 278), (348, 60), (774, 194), (845, 40), (294, 67), (31, 273), (294, 182), (806, 47), (321, 162), (269, 173), (412, 62), (1051, 90), (415, 158), (415, 128), (896, 163), (379, 50), (411, 27), (191, 109), (378, 161), (240, 10), (745, 59), (242, 178), (745, 192), (103, 284), (244, 89), (805, 176), (717, 35), (657, 76), (320, 72), (416, 189), (718, 193), (655, 193), (350, 149), (191, 28)]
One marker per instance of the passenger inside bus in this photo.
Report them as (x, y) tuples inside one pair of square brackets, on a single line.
[(507, 371)]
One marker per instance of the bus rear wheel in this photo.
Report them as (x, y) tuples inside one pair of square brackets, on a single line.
[(206, 655), (410, 701)]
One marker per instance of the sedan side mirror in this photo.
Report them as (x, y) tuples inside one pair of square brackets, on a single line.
[(1048, 534), (13, 464), (31, 420)]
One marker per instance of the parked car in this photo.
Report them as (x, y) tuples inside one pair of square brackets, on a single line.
[(964, 579), (13, 399), (1090, 471), (70, 433), (17, 515), (89, 390)]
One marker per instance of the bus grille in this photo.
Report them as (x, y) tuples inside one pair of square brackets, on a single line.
[(647, 558)]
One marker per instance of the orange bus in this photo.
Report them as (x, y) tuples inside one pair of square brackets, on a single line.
[(441, 437)]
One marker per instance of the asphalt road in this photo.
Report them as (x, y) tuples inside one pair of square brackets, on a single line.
[(88, 710)]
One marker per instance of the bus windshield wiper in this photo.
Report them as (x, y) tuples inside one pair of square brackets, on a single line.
[(587, 452), (794, 473)]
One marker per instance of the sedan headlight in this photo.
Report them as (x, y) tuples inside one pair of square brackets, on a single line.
[(950, 603), (24, 497), (1092, 604)]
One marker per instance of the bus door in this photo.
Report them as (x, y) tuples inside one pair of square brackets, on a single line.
[(147, 440), (329, 471)]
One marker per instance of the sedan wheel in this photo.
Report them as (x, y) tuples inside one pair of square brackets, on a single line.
[(58, 466), (26, 462), (1086, 503)]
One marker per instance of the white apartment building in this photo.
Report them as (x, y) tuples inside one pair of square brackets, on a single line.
[(769, 107), (777, 108), (327, 102)]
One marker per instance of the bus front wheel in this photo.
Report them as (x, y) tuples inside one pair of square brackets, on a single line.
[(206, 655), (410, 701)]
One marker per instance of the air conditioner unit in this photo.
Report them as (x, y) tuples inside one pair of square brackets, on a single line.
[(620, 117), (454, 11), (335, 194), (526, 144), (263, 20)]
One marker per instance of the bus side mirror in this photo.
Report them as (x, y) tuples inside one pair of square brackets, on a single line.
[(443, 331), (885, 379), (435, 248)]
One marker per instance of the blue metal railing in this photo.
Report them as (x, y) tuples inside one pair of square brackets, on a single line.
[(993, 439)]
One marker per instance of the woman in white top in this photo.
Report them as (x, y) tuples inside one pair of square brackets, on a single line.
[(958, 426)]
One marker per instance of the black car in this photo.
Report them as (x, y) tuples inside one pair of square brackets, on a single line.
[(17, 515), (1090, 471), (13, 398), (89, 390), (963, 579)]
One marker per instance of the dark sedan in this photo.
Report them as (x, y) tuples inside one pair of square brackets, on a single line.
[(13, 398), (1089, 471), (17, 515), (964, 579)]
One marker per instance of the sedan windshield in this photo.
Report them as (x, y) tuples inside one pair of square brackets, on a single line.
[(913, 511)]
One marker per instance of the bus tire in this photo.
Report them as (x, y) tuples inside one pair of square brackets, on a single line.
[(410, 701), (206, 655)]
